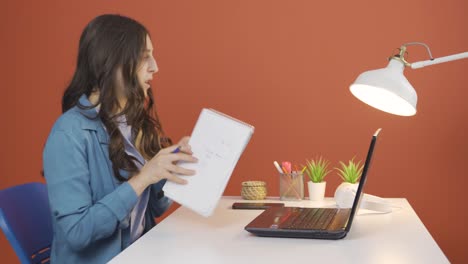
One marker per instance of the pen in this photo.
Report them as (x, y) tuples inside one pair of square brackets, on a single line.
[(277, 166), (177, 150)]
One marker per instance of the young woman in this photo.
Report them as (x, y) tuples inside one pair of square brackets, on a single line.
[(106, 158)]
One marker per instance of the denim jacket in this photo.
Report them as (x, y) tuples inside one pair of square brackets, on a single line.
[(90, 207)]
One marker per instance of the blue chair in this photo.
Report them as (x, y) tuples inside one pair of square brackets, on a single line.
[(26, 221)]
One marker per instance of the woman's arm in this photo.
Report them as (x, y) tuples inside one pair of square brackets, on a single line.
[(67, 174)]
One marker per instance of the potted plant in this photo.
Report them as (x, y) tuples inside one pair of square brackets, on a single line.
[(316, 169), (350, 174)]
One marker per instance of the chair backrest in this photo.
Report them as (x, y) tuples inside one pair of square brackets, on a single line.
[(26, 221)]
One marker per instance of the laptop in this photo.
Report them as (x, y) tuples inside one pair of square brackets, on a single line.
[(317, 223)]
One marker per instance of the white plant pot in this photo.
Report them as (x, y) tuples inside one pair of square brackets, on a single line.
[(316, 190)]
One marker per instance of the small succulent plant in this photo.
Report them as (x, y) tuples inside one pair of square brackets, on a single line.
[(316, 169), (351, 172)]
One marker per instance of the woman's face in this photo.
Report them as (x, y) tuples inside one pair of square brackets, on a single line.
[(147, 67)]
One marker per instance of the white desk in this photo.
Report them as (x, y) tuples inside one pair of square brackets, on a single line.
[(185, 237)]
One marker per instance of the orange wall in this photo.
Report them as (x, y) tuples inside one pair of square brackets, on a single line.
[(285, 67)]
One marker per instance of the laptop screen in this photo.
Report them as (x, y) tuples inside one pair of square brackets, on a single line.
[(362, 181)]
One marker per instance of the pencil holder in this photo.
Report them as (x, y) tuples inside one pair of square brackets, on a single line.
[(291, 186), (253, 190)]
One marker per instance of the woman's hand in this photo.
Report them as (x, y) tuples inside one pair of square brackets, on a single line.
[(184, 145), (163, 166)]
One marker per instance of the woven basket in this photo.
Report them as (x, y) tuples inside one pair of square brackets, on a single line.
[(253, 190)]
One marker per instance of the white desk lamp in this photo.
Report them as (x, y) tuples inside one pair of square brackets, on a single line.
[(388, 90)]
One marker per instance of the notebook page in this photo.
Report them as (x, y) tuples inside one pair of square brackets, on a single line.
[(218, 142)]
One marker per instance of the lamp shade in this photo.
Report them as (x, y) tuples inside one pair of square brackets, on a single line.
[(387, 89)]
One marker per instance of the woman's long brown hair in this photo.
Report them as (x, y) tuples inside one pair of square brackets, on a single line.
[(112, 45)]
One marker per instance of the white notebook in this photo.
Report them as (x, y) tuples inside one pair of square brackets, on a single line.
[(218, 141)]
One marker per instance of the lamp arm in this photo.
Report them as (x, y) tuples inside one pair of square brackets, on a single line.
[(417, 43), (420, 64)]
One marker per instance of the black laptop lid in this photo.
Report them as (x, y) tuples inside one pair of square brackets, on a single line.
[(362, 181)]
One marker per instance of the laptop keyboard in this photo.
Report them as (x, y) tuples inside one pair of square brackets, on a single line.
[(310, 218)]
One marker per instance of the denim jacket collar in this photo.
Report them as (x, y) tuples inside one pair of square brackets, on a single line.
[(93, 121)]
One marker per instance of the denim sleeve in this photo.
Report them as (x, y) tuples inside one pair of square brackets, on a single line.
[(67, 175)]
